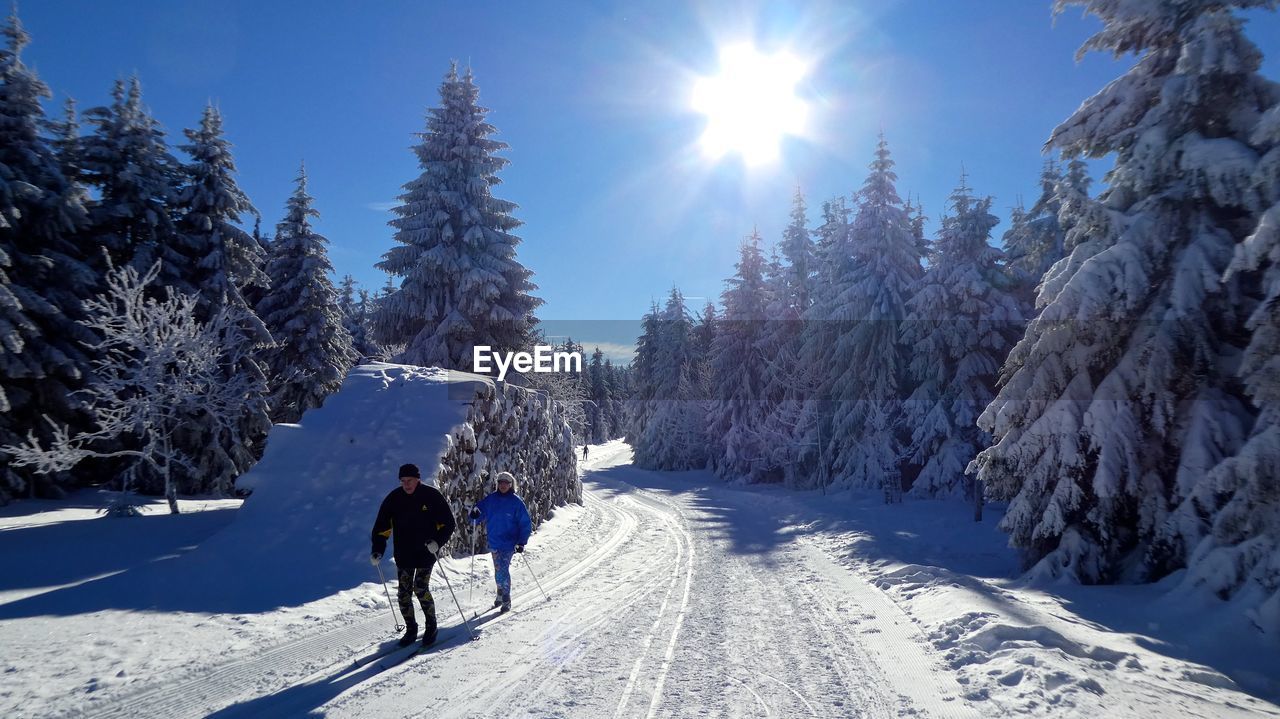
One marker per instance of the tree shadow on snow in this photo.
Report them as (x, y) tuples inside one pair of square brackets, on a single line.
[(748, 529), (919, 542), (53, 554), (938, 536), (155, 571)]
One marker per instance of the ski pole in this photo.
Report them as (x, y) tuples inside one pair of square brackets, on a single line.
[(535, 577), (471, 593), (394, 617), (462, 614)]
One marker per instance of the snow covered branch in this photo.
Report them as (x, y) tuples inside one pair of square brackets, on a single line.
[(157, 367)]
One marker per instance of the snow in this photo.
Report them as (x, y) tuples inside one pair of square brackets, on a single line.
[(667, 594)]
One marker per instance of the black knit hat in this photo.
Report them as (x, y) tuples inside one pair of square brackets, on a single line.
[(409, 470)]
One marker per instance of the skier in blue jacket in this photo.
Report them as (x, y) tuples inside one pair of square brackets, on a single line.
[(508, 527)]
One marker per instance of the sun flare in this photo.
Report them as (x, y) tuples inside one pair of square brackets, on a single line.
[(751, 104)]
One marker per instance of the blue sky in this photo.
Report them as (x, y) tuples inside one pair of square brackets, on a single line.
[(593, 99)]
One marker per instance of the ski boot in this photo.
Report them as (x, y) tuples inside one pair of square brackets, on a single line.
[(497, 601), (506, 604), (429, 635), (410, 634)]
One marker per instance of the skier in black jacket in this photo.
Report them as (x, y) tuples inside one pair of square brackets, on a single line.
[(420, 518)]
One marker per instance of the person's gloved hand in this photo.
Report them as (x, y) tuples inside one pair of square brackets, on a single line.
[(374, 558), (433, 547), (520, 548), (474, 513)]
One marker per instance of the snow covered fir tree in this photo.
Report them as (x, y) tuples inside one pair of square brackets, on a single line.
[(45, 276), (461, 284), (1125, 393), (311, 348), (962, 320)]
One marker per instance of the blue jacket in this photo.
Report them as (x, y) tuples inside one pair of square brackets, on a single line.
[(506, 520)]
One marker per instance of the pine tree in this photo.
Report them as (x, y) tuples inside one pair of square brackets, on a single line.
[(614, 414), (665, 442), (870, 384), (213, 205), (66, 144), (601, 398), (137, 180), (462, 285), (791, 288), (360, 341), (639, 405), (355, 314), (739, 366), (230, 263), (312, 350), (1120, 397), (1040, 245), (44, 278), (961, 325), (818, 366)]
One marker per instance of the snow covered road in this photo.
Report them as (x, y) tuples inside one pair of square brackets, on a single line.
[(689, 608), (669, 595)]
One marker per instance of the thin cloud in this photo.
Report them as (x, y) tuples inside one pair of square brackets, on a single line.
[(382, 206), (617, 352)]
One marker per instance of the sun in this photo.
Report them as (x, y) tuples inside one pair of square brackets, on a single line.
[(751, 104)]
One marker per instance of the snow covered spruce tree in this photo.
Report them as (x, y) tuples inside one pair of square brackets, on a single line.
[(790, 287), (461, 284), (125, 159), (354, 303), (1240, 555), (1036, 239), (509, 429), (1122, 395), (311, 350), (156, 366), (822, 323), (617, 389), (739, 370), (670, 440), (639, 406), (231, 261), (1037, 242), (962, 322), (599, 419), (44, 276), (869, 360)]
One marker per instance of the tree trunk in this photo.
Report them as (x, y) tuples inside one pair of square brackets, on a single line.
[(977, 500), (170, 493)]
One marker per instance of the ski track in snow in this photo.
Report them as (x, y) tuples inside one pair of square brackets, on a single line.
[(668, 598), (654, 611), (675, 621)]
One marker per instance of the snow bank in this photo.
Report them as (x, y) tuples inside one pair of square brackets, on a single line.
[(318, 486)]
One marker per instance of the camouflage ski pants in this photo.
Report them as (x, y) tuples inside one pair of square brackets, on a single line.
[(416, 582)]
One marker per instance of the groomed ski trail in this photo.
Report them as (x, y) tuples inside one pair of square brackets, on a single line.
[(702, 608), (668, 597)]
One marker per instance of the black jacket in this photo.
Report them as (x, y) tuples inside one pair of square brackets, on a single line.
[(415, 519)]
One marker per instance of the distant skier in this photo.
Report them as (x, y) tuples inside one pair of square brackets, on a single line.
[(421, 520), (584, 453), (508, 527)]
